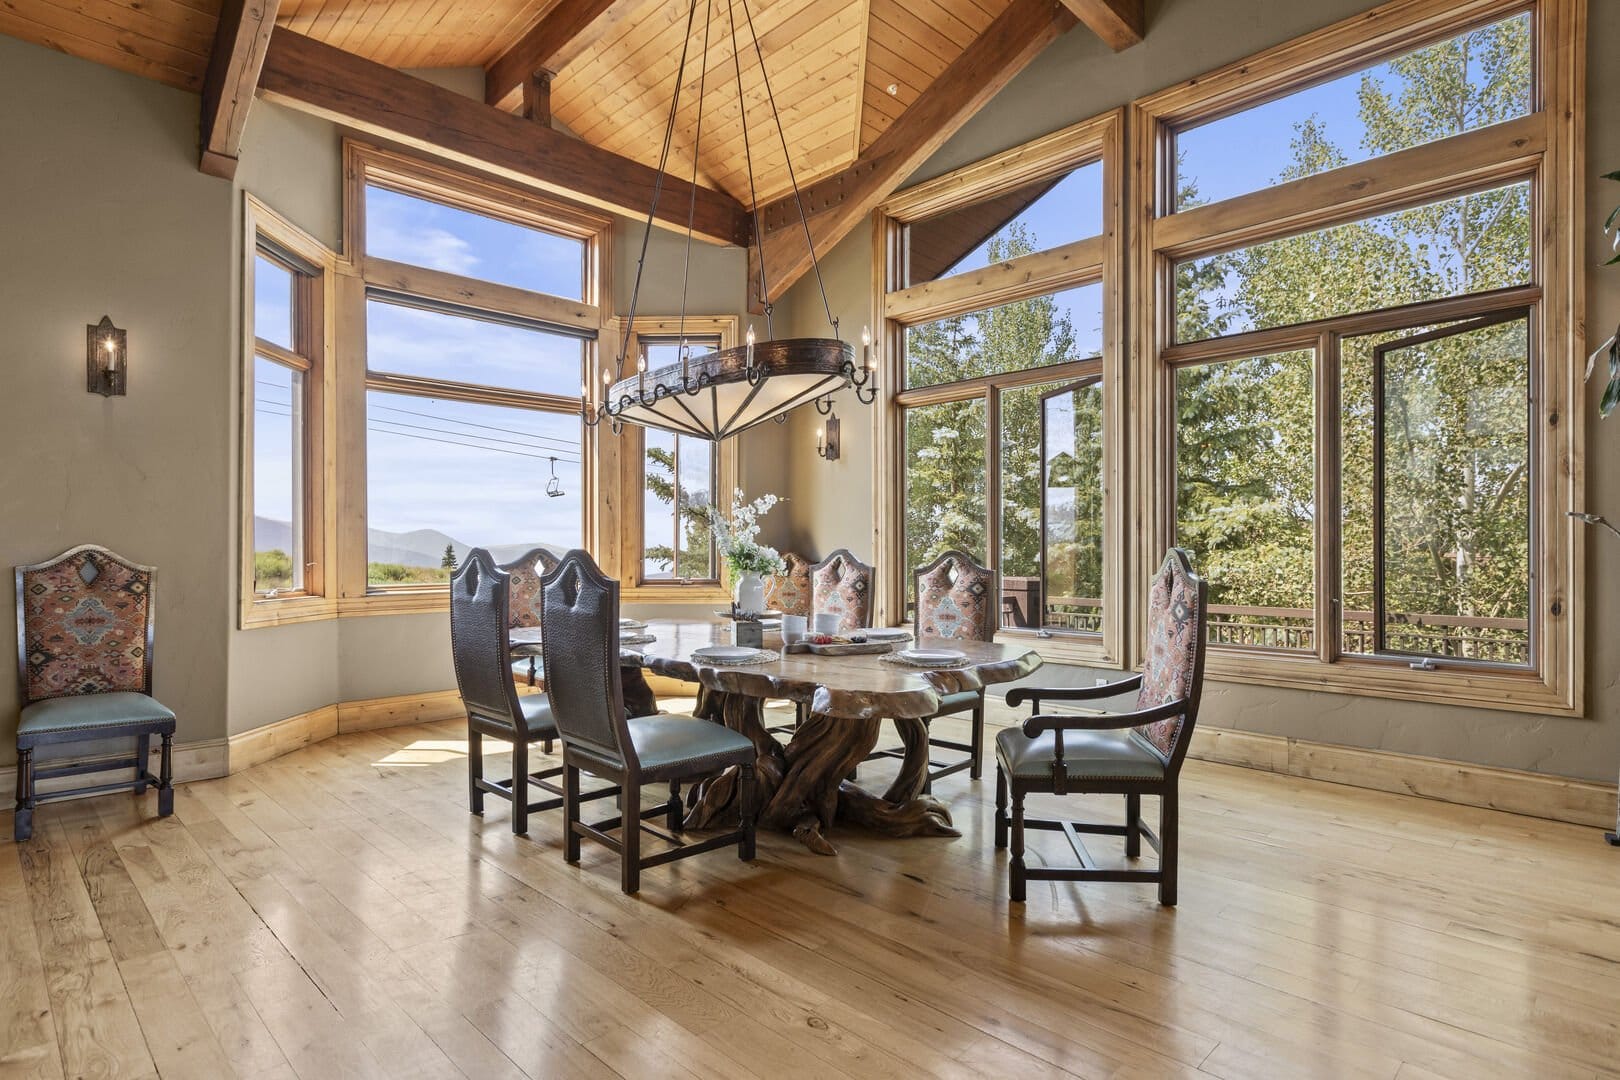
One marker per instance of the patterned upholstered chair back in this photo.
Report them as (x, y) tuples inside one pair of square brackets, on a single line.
[(842, 585), (789, 591), (581, 651), (526, 571), (84, 625), (956, 598), (1174, 667), (480, 595)]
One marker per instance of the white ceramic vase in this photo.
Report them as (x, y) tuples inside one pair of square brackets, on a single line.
[(749, 593)]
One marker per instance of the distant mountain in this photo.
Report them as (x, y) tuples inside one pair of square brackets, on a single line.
[(420, 547)]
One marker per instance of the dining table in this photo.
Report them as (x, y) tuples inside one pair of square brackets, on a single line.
[(803, 780)]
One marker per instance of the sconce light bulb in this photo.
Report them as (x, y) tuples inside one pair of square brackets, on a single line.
[(607, 377), (750, 335), (866, 335), (109, 344)]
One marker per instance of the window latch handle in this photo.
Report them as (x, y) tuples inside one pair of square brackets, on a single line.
[(1424, 665)]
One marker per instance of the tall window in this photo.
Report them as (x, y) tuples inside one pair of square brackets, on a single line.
[(477, 350), (1000, 322), (679, 476), (1361, 369), (284, 393)]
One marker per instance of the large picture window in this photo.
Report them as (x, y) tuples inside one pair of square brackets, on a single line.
[(480, 331), (1355, 399), (1001, 321)]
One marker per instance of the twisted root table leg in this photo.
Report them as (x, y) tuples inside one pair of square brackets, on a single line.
[(801, 786)]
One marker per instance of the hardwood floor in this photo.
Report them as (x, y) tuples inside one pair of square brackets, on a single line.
[(336, 912)]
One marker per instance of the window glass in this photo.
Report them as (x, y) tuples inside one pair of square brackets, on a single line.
[(1052, 506), (408, 229), (278, 477), (273, 302), (1045, 214), (945, 482), (1471, 81), (1038, 332), (421, 342), (1468, 244), (443, 476), (1452, 520), (1245, 502), (677, 543)]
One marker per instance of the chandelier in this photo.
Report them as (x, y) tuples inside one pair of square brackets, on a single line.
[(722, 393)]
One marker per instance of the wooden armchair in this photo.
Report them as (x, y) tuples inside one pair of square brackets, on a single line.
[(84, 667), (840, 585), (587, 700), (955, 602), (1132, 754)]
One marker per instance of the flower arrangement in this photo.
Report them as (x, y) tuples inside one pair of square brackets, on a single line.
[(736, 536)]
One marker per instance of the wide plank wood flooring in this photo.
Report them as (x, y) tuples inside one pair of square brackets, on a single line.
[(337, 913)]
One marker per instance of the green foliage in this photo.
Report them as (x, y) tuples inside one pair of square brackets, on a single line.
[(696, 560), (398, 574), (449, 560), (272, 569)]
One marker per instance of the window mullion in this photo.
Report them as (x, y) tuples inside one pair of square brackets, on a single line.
[(1329, 501)]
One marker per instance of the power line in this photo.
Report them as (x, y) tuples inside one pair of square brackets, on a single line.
[(453, 420), (545, 454)]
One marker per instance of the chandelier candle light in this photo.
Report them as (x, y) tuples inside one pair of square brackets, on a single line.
[(722, 393)]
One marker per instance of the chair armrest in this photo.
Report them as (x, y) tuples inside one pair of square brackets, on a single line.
[(1037, 694), (1039, 723)]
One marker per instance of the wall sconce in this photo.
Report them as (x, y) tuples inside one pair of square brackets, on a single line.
[(827, 440), (105, 359)]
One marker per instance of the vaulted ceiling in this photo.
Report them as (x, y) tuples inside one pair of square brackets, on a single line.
[(865, 88)]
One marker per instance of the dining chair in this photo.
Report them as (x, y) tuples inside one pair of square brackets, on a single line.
[(840, 585), (526, 571), (789, 591), (1132, 754), (581, 654), (480, 648), (84, 673), (955, 602)]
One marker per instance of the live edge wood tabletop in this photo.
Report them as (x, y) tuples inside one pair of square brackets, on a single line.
[(803, 789)]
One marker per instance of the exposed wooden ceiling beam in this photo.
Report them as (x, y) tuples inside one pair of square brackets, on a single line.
[(836, 204), (307, 75), (240, 42), (1120, 23), (560, 35)]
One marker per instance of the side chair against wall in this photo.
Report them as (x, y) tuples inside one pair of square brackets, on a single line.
[(526, 571), (1132, 754), (587, 699), (84, 669), (480, 647), (956, 601)]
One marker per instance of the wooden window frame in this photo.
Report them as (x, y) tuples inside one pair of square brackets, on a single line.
[(1087, 261), (1545, 148), (631, 443), (313, 268), (364, 276)]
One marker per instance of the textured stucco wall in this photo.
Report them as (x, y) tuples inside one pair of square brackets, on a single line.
[(1077, 77)]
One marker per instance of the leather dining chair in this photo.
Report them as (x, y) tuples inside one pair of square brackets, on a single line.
[(844, 586), (581, 654), (789, 591), (526, 571), (480, 647), (1132, 754)]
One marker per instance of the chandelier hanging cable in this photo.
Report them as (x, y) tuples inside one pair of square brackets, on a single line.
[(730, 390)]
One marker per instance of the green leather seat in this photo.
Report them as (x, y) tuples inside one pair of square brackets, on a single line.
[(681, 746), (1089, 755), (87, 713), (960, 701), (537, 716)]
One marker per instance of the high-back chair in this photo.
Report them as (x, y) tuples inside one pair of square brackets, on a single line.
[(526, 571), (842, 585), (956, 601), (581, 652), (789, 591), (84, 671), (480, 647), (1132, 754)]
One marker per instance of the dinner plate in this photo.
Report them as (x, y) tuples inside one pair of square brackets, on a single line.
[(632, 624), (724, 654), (931, 657), (887, 634)]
